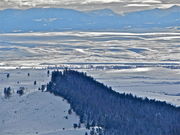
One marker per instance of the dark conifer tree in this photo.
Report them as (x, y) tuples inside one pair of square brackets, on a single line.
[(35, 82), (8, 75)]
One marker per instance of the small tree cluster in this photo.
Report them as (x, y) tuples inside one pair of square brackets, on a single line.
[(75, 125), (21, 91), (7, 92)]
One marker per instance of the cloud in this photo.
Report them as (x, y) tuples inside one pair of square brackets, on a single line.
[(100, 1), (167, 5), (147, 1), (138, 5), (119, 6)]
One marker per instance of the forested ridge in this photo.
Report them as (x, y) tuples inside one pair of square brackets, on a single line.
[(118, 114)]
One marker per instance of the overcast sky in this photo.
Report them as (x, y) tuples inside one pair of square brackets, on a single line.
[(119, 6)]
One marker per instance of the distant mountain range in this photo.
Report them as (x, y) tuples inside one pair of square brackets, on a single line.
[(59, 19)]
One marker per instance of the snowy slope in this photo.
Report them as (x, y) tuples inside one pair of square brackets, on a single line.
[(37, 113)]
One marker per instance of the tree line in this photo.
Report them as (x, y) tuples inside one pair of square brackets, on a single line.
[(117, 113)]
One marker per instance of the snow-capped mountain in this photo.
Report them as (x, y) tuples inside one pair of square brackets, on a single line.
[(59, 19)]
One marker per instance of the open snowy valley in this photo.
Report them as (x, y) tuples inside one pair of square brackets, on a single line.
[(44, 49), (145, 64)]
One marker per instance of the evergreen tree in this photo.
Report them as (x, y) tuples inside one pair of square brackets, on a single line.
[(35, 82), (8, 75)]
